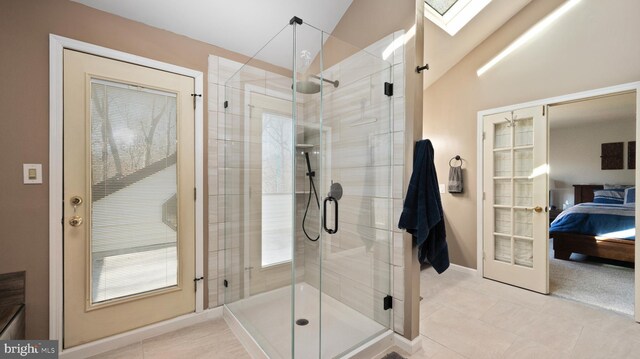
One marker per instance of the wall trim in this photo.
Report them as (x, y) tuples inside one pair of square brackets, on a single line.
[(409, 346), (56, 46), (631, 86), (463, 269), (138, 335)]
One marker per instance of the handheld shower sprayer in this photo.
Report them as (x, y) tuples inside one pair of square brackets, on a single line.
[(310, 173), (312, 192)]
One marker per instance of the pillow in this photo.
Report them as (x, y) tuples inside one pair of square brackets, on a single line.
[(609, 196), (630, 197), (617, 186)]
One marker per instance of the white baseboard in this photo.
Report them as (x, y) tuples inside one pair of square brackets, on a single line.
[(463, 269), (140, 334), (409, 346)]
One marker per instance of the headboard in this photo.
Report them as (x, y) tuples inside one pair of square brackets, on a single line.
[(584, 192)]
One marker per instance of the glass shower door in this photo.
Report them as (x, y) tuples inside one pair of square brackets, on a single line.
[(258, 209), (348, 123)]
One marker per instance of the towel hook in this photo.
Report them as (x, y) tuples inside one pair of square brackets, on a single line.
[(456, 158)]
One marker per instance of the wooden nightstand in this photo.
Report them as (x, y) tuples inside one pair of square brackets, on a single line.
[(553, 213)]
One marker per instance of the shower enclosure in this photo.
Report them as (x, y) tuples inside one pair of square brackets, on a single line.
[(307, 200)]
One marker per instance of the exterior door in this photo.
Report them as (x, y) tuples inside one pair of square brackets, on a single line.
[(516, 198), (129, 209)]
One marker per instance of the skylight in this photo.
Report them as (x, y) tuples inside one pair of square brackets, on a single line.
[(441, 6), (453, 15)]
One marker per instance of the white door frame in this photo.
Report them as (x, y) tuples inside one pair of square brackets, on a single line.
[(631, 86), (56, 46)]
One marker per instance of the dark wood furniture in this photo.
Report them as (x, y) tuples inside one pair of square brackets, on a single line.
[(553, 214), (610, 248), (583, 193)]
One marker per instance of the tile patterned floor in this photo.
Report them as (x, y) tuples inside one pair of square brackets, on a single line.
[(462, 316), (211, 339)]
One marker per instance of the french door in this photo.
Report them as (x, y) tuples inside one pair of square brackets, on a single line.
[(129, 213), (515, 245)]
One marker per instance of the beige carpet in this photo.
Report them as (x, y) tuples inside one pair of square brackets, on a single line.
[(603, 283)]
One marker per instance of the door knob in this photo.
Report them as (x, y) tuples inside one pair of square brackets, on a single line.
[(538, 209), (76, 201), (75, 221)]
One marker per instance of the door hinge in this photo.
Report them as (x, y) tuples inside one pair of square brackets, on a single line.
[(543, 109), (484, 135), (387, 302), (195, 193), (388, 88), (194, 95), (226, 283), (195, 283), (483, 195)]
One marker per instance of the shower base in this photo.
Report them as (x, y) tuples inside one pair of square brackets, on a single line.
[(266, 318)]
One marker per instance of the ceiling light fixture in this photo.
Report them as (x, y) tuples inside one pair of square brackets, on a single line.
[(531, 33)]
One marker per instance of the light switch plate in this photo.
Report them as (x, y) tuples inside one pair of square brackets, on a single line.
[(442, 187), (32, 173)]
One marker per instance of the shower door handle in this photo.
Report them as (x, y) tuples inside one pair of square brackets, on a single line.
[(335, 229)]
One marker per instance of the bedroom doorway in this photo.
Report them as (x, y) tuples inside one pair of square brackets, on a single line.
[(591, 225), (487, 200)]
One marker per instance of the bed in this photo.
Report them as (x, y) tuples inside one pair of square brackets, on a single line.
[(594, 229)]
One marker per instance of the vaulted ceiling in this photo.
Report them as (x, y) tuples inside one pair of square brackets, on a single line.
[(240, 26), (245, 26)]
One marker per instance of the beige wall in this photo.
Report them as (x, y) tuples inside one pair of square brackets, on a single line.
[(24, 128), (574, 156), (367, 21), (594, 45)]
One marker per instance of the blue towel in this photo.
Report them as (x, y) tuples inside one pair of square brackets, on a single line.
[(422, 214)]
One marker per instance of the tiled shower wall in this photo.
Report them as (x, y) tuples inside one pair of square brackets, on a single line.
[(219, 70), (375, 214)]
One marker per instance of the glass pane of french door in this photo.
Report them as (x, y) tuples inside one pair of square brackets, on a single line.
[(512, 182)]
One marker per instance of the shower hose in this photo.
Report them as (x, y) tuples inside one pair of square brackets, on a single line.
[(312, 192)]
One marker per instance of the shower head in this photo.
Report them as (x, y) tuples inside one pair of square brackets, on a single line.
[(309, 87)]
